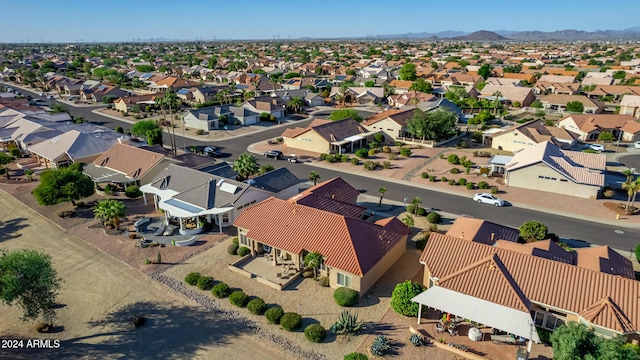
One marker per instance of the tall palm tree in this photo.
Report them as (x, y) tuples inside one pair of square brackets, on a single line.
[(171, 100), (314, 176), (381, 191), (408, 220), (314, 260), (296, 104), (496, 101), (246, 165), (416, 202), (110, 211), (472, 103), (632, 186), (637, 189)]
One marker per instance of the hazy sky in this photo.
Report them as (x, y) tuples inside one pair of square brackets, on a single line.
[(124, 20)]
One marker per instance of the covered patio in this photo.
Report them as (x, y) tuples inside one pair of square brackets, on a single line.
[(349, 144), (498, 317), (101, 175), (191, 219)]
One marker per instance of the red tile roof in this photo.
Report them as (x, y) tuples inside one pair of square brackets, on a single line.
[(335, 188)]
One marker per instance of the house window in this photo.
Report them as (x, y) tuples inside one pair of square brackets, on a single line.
[(547, 320), (344, 280), (225, 217), (563, 180), (244, 240)]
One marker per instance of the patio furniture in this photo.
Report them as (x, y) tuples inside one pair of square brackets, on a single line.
[(475, 334), (509, 339), (140, 223), (159, 231), (439, 328), (168, 231)]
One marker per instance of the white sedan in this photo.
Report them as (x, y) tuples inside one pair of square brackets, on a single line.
[(485, 198)]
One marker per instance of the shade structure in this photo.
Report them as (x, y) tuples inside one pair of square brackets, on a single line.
[(484, 312)]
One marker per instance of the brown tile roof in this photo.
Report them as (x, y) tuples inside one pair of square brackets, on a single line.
[(545, 249), (590, 122), (297, 131), (605, 259), (335, 188), (564, 99), (401, 117), (338, 130), (130, 100), (132, 161), (483, 231), (569, 287), (401, 84), (607, 311), (348, 244), (328, 204)]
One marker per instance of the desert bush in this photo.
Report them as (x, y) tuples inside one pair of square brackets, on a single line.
[(433, 227), (412, 210), (444, 179), (315, 333), (221, 290), (356, 356), (323, 156), (483, 185), (421, 243), (355, 161), (381, 345), (454, 171), (434, 218), (344, 158), (485, 171), (204, 283), (462, 182), (2, 170), (362, 153), (290, 321), (386, 149), (481, 153), (453, 159), (369, 165), (307, 274), (192, 278), (199, 132), (235, 241), (379, 138), (432, 179), (471, 186), (274, 314), (398, 143), (133, 191), (424, 175), (233, 249), (607, 192), (345, 296), (392, 156), (256, 306), (67, 213), (374, 145), (243, 251), (372, 152), (238, 298), (638, 252), (494, 190), (324, 281), (416, 339), (43, 327), (406, 152), (386, 164), (402, 295), (452, 182)]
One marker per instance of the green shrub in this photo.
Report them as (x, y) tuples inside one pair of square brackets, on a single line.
[(379, 138), (412, 210), (369, 165), (434, 218), (323, 157), (344, 158), (386, 149), (453, 159), (362, 153), (401, 298), (444, 179), (392, 156), (471, 186), (452, 182), (243, 251), (133, 191), (290, 321), (15, 152), (432, 179), (454, 171), (494, 190), (462, 182), (119, 129), (205, 283), (374, 145), (324, 281), (386, 164), (238, 298), (235, 241), (544, 335), (638, 252), (256, 306), (355, 161), (406, 152), (274, 314), (607, 192), (221, 290), (372, 152), (398, 143), (233, 249), (345, 296), (420, 244), (424, 175), (192, 278), (483, 185), (315, 333), (356, 356)]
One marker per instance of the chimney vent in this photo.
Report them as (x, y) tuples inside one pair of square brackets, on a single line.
[(493, 236)]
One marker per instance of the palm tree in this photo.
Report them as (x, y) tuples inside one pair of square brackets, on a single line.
[(637, 189), (171, 100), (110, 211), (496, 101), (296, 104), (314, 260), (408, 220), (381, 191), (161, 103), (246, 165), (314, 176), (632, 187), (58, 108), (472, 103), (416, 202)]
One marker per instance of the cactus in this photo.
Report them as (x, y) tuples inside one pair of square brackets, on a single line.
[(416, 339), (380, 346), (347, 324)]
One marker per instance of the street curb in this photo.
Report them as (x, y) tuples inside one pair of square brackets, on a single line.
[(250, 148)]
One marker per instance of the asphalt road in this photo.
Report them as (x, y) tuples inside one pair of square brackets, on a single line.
[(566, 227)]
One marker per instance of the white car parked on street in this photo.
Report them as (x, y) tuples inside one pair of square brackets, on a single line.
[(485, 198), (636, 144)]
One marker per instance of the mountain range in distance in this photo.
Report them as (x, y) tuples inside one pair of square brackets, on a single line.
[(505, 35)]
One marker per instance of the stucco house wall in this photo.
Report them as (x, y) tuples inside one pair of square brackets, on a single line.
[(534, 177), (511, 141), (309, 141)]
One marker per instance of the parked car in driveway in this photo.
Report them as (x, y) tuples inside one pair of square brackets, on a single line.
[(292, 158), (212, 151), (636, 144), (274, 154), (485, 198), (596, 147), (50, 97)]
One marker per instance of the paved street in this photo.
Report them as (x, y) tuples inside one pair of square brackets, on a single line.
[(566, 227)]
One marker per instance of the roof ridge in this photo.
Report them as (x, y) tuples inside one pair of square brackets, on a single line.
[(597, 308)]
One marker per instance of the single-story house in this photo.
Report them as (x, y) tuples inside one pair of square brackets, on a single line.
[(559, 102), (589, 127), (409, 98), (630, 105), (483, 231), (360, 95), (392, 123), (124, 104), (510, 94), (97, 93), (524, 135), (546, 88), (207, 118), (546, 167), (508, 286), (325, 136), (356, 253), (73, 146)]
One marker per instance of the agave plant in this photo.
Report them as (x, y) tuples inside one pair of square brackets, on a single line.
[(416, 339), (347, 324), (381, 345)]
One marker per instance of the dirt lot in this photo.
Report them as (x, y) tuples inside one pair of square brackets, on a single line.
[(100, 295)]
